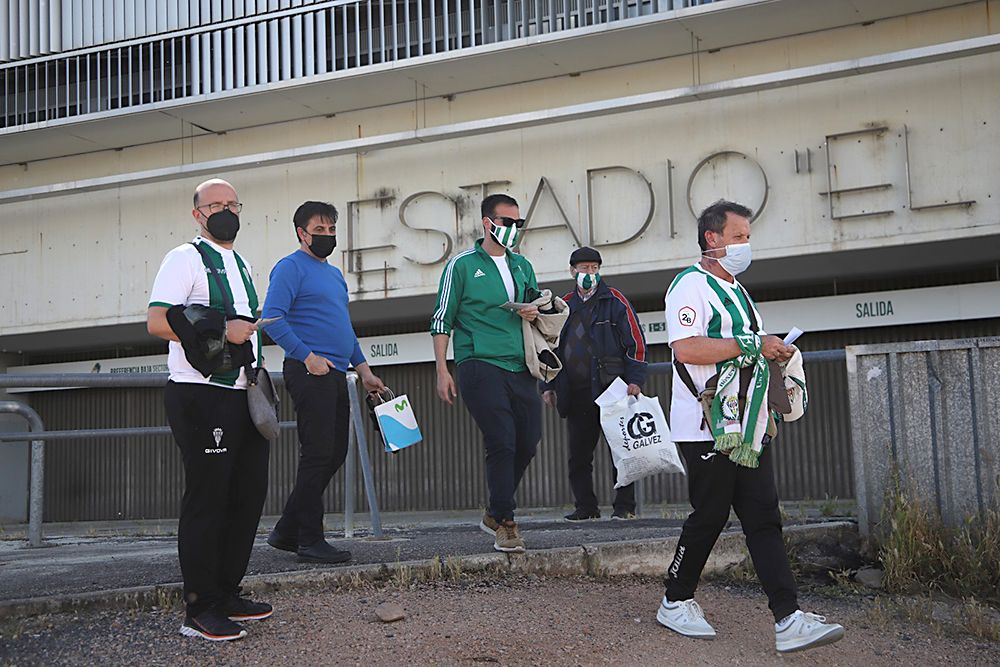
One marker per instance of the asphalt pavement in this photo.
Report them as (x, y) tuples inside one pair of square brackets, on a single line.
[(82, 558)]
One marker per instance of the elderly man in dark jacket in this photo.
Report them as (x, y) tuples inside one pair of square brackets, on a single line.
[(600, 341)]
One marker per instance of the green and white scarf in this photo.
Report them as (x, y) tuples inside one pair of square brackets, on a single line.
[(740, 435)]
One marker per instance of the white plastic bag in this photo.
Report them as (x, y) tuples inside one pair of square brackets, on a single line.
[(637, 433)]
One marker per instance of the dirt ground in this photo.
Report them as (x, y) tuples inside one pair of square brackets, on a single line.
[(504, 620)]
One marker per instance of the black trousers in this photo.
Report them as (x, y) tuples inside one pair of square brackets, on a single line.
[(508, 411), (225, 483), (714, 485), (323, 411), (584, 424)]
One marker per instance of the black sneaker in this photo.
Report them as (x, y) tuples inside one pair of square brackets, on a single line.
[(279, 541), (242, 608), (623, 515), (583, 515), (213, 626), (322, 552)]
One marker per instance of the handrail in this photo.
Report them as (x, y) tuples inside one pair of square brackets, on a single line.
[(39, 435), (37, 484)]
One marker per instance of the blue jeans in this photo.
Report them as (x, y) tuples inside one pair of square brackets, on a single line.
[(508, 411)]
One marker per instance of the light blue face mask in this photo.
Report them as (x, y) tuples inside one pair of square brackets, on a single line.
[(737, 259)]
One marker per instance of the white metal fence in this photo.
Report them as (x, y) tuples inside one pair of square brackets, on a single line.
[(62, 59)]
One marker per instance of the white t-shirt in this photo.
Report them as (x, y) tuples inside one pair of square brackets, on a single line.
[(699, 304), (508, 280), (183, 279)]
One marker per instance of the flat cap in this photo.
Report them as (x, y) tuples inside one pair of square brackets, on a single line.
[(584, 254)]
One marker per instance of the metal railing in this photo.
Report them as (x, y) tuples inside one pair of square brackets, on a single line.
[(358, 441), (259, 50), (37, 484)]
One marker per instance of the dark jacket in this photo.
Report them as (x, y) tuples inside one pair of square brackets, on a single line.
[(617, 341)]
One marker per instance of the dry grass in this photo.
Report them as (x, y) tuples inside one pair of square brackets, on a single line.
[(954, 572), (919, 553)]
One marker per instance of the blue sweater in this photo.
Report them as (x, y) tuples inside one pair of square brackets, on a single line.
[(310, 296)]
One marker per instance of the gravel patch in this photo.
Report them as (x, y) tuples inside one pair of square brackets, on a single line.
[(488, 620)]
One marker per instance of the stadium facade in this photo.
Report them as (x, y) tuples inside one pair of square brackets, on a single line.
[(865, 135)]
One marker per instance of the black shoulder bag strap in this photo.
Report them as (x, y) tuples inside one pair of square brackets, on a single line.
[(227, 303), (682, 370), (753, 318)]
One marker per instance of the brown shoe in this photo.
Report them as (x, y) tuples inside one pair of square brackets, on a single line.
[(488, 525), (507, 538)]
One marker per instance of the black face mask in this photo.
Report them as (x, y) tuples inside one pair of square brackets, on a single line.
[(223, 225), (322, 246)]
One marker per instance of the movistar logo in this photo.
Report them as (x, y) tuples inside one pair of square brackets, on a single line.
[(401, 406)]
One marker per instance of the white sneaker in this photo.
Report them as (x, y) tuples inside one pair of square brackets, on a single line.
[(803, 630), (685, 618)]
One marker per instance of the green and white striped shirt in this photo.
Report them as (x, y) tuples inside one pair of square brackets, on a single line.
[(699, 304), (184, 279)]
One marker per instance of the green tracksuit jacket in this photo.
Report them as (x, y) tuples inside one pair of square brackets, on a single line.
[(468, 304)]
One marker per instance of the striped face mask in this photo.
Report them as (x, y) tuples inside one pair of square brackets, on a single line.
[(505, 236), (587, 281)]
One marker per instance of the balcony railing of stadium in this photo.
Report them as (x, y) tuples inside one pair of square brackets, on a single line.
[(78, 59)]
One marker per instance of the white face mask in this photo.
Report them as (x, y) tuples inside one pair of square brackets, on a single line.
[(737, 259)]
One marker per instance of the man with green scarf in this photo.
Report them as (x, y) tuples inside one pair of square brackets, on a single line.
[(717, 338)]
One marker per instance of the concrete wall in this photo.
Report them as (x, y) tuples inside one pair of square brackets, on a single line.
[(929, 412)]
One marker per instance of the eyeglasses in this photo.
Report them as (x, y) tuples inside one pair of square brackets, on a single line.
[(507, 222), (217, 207)]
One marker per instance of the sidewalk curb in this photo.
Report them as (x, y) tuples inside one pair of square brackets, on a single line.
[(649, 557)]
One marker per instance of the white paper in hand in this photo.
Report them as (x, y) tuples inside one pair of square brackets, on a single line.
[(615, 392), (792, 336), (514, 306)]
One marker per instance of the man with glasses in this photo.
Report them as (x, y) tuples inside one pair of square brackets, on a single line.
[(225, 457), (499, 392), (307, 298)]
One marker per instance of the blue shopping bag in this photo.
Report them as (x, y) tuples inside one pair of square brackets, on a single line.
[(397, 423)]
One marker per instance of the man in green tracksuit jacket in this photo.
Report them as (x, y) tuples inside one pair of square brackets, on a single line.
[(498, 390)]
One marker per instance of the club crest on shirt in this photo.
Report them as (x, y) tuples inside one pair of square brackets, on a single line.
[(687, 316)]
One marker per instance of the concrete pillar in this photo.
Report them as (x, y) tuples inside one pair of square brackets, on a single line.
[(925, 413)]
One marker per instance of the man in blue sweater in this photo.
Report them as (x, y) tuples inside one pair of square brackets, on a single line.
[(309, 298)]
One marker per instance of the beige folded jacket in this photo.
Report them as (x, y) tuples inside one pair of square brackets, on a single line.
[(541, 336)]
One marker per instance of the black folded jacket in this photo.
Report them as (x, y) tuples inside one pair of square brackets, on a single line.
[(202, 333)]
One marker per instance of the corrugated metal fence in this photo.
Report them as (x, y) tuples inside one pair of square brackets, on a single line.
[(143, 478)]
